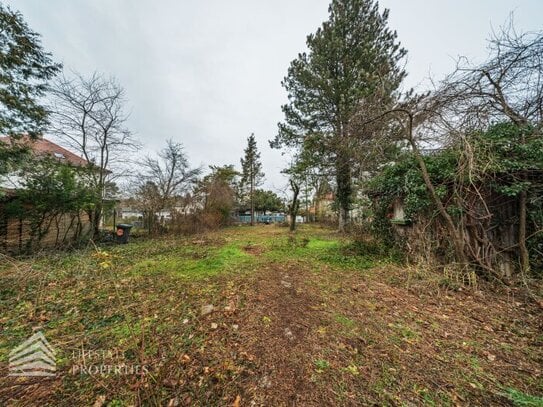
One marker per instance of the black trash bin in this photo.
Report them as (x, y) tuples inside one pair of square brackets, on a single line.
[(123, 232)]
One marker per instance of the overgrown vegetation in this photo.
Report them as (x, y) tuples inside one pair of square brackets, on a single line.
[(350, 327), (497, 169), (51, 193)]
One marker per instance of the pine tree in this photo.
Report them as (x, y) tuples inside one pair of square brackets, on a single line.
[(252, 175), (352, 57), (24, 71)]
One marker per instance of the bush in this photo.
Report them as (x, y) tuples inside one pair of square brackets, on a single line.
[(197, 223)]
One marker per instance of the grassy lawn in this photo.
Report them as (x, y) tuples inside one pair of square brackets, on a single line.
[(307, 319)]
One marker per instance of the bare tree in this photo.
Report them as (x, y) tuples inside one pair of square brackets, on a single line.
[(167, 178), (88, 115)]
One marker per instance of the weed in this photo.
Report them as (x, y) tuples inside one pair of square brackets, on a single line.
[(321, 365), (352, 369)]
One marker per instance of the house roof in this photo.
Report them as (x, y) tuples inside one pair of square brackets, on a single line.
[(44, 147)]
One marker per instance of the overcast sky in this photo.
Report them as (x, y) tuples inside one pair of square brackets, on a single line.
[(207, 73)]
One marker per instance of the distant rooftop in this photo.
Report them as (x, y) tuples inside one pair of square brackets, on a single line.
[(43, 147)]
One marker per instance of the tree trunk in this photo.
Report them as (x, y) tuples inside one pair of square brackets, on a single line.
[(306, 201), (344, 191), (252, 201), (293, 208), (341, 220), (114, 218), (97, 216), (292, 222)]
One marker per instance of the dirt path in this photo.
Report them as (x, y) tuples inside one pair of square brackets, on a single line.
[(280, 318)]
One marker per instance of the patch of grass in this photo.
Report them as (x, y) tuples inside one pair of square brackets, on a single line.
[(345, 321), (407, 333), (124, 331), (475, 364), (299, 244), (321, 250), (385, 380), (321, 365), (521, 399), (184, 264), (223, 259), (322, 245), (403, 333), (431, 398), (339, 259), (106, 321)]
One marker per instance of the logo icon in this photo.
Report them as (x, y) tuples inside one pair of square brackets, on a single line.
[(34, 357)]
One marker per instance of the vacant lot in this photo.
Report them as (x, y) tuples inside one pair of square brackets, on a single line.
[(257, 317)]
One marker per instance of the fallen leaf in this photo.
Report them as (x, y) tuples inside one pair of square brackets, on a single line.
[(169, 383), (173, 402), (207, 309), (237, 401), (100, 401)]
